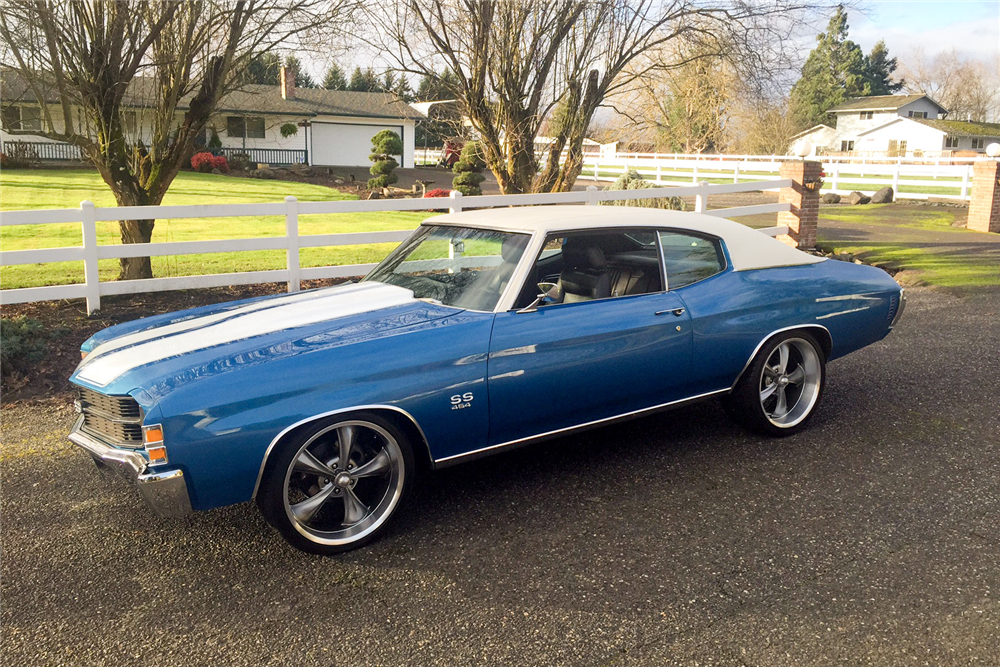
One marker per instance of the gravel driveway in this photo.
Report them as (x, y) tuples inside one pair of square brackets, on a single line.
[(870, 538)]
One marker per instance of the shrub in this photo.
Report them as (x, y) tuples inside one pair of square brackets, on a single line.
[(385, 144), (214, 142), (632, 180), (469, 169), (289, 130), (25, 342), (437, 192), (205, 162), (19, 155), (240, 162)]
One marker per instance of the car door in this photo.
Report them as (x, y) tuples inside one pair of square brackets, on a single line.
[(566, 364)]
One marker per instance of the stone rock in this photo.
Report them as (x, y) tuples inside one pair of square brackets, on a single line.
[(216, 171), (830, 198), (266, 174), (883, 196), (302, 169), (338, 181), (856, 198)]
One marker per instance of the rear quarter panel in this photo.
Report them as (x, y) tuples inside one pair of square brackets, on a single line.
[(733, 312)]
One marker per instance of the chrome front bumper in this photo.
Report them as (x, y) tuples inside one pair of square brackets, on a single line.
[(165, 492)]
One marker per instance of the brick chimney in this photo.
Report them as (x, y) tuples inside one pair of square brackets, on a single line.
[(287, 83)]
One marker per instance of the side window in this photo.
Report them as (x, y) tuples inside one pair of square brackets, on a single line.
[(689, 258), (598, 264)]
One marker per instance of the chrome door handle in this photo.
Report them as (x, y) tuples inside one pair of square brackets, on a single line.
[(676, 311)]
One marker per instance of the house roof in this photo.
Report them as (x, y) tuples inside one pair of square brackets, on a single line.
[(962, 128), (954, 128), (812, 129), (881, 103), (251, 98)]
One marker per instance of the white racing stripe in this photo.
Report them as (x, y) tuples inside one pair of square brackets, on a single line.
[(205, 320), (254, 321)]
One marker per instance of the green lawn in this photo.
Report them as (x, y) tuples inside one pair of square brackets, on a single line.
[(921, 240), (35, 189)]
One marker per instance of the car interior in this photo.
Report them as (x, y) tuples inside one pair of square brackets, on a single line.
[(596, 265), (603, 264)]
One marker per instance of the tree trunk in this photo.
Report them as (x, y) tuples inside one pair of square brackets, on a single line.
[(135, 231)]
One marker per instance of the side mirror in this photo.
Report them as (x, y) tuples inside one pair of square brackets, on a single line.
[(548, 293)]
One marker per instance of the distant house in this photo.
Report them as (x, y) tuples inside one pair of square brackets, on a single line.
[(333, 127), (898, 126)]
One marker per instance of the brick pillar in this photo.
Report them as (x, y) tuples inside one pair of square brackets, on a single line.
[(802, 219), (984, 209)]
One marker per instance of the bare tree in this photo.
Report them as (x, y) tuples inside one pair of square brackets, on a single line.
[(518, 61), (968, 88), (101, 69)]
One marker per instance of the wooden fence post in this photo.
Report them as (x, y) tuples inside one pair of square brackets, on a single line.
[(456, 201), (701, 199), (91, 276), (736, 172), (292, 240), (965, 182), (591, 195), (895, 181)]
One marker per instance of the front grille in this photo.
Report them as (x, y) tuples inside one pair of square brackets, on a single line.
[(116, 420)]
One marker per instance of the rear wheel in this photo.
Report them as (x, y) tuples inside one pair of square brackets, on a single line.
[(334, 486), (781, 388)]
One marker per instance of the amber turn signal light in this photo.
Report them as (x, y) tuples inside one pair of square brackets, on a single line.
[(157, 454), (152, 434)]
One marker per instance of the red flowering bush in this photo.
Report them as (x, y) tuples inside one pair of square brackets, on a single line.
[(438, 192), (205, 162)]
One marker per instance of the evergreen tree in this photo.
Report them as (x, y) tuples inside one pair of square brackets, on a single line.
[(838, 70), (302, 77), (365, 81), (432, 88), (335, 79), (879, 69), (263, 68)]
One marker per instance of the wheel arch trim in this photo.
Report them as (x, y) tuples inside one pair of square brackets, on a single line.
[(774, 333), (323, 415)]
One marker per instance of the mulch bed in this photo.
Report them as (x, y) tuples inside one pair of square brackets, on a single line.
[(49, 377)]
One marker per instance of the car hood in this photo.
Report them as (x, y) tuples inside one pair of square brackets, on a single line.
[(255, 331)]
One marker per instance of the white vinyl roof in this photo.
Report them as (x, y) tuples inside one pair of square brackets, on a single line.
[(748, 248)]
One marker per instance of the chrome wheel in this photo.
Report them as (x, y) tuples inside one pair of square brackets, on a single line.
[(790, 382), (343, 483)]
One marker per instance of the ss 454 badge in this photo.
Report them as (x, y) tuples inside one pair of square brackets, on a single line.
[(461, 401)]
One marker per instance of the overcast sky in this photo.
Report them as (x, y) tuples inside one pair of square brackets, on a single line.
[(970, 26)]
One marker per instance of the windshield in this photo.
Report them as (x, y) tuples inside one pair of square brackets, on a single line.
[(454, 266)]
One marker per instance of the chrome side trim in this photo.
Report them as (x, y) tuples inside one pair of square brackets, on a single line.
[(353, 408), (769, 337), (579, 427)]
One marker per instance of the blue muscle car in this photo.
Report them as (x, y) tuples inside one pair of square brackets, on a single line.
[(321, 405)]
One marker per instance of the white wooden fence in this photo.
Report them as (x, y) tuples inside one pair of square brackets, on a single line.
[(90, 252), (863, 174)]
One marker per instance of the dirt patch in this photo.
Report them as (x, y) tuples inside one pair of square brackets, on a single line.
[(49, 377)]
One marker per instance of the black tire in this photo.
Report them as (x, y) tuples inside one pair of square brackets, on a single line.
[(756, 401), (322, 507)]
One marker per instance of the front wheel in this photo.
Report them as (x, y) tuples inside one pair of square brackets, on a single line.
[(335, 486), (780, 389)]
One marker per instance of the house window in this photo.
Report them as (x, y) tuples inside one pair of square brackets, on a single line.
[(979, 143), (251, 127), (866, 115), (951, 142), (846, 146), (128, 122), (22, 118), (917, 114)]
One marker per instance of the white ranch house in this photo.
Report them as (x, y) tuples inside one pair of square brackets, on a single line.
[(333, 127), (898, 126)]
